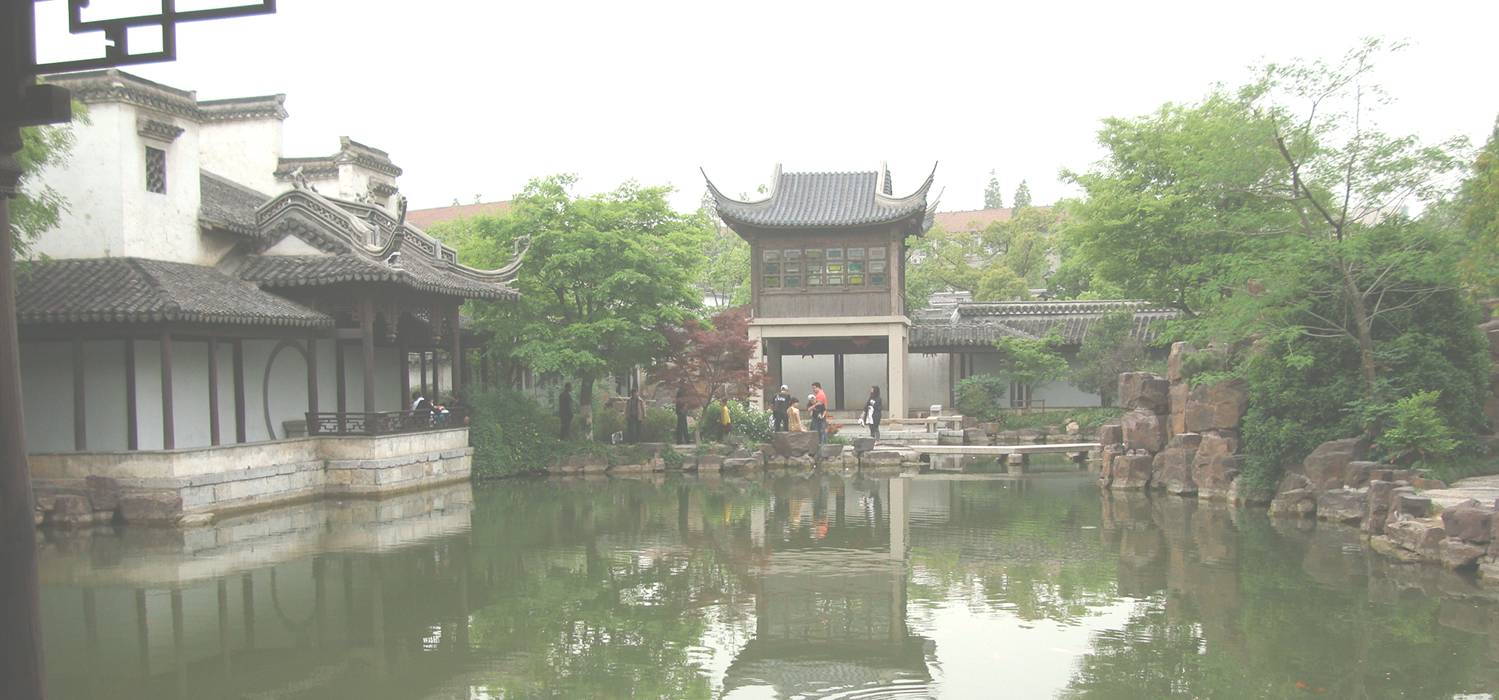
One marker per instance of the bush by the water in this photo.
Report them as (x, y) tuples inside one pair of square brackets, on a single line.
[(512, 434), (752, 425), (982, 396)]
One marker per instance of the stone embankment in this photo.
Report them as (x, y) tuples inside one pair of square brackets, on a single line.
[(784, 451)]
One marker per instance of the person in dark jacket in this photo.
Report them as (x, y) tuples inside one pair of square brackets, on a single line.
[(778, 408), (565, 410), (681, 406), (873, 408), (634, 416)]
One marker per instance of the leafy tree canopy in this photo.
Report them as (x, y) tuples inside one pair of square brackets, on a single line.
[(994, 198), (39, 207)]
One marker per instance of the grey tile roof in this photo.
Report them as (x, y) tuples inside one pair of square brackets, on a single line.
[(415, 271), (137, 290), (228, 205), (819, 200), (956, 323)]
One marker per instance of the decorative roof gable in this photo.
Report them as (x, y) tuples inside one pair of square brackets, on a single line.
[(824, 200)]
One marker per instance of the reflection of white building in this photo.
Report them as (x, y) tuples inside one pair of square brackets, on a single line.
[(204, 298)]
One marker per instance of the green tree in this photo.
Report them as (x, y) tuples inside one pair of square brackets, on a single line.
[(1109, 349), (39, 207), (725, 278), (1002, 262), (994, 198), (604, 276), (1022, 196), (1480, 219)]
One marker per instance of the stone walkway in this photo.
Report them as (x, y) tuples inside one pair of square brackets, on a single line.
[(1484, 489)]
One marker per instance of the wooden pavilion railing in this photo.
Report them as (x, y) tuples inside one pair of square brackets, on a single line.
[(383, 422)]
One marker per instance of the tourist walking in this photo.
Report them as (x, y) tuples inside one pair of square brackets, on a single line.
[(681, 407), (565, 410), (873, 408), (634, 416), (778, 407), (794, 418)]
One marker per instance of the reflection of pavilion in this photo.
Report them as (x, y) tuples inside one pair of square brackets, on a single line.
[(293, 602), (832, 619)]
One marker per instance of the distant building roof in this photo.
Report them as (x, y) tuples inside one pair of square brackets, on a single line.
[(956, 321), (138, 290), (975, 219), (424, 218), (821, 200)]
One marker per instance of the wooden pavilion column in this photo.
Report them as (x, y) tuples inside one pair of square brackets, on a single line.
[(457, 353), (168, 417), (838, 381), (132, 429), (80, 417), (339, 380), (367, 344), (238, 362), (312, 373), (424, 372), (405, 372), (436, 378), (213, 391)]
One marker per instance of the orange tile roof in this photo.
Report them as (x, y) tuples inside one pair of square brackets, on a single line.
[(972, 219), (422, 218)]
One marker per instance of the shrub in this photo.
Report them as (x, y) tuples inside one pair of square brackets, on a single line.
[(1415, 430), (981, 396), (606, 421), (659, 425), (750, 423), (511, 433)]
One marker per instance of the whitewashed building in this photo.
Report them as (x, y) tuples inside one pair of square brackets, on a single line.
[(205, 301)]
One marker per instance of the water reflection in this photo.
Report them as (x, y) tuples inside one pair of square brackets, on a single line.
[(809, 585)]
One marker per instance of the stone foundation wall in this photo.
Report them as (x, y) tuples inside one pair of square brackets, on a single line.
[(192, 485)]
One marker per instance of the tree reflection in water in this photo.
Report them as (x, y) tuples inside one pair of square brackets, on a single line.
[(782, 585)]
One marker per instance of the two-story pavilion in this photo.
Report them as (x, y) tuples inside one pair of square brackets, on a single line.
[(828, 272)]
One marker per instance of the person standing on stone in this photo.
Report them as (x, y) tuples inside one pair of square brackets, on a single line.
[(565, 410), (873, 408), (634, 416), (778, 407), (817, 415), (681, 407), (793, 417)]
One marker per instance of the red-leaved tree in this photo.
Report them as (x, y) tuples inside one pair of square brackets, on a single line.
[(713, 360)]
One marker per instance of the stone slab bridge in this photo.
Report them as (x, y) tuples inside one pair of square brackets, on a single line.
[(1016, 456)]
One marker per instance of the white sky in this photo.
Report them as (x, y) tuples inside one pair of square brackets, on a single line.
[(475, 98)]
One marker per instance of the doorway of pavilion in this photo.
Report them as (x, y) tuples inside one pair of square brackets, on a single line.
[(846, 367)]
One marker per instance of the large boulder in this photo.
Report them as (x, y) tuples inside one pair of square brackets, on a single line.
[(1342, 506), (829, 452), (1469, 521), (1457, 555), (1216, 405), (151, 506), (1359, 474), (1177, 419), (880, 458), (1173, 465), (70, 510), (742, 464), (794, 444), (1377, 506), (1327, 466), (1144, 430), (1108, 457), (1179, 352), (103, 492), (862, 445), (1424, 537), (1144, 390), (1215, 475), (1132, 471), (1110, 434), (1295, 497)]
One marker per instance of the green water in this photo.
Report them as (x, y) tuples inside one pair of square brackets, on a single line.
[(776, 586)]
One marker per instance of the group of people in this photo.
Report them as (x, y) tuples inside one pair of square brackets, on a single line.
[(439, 412), (786, 412)]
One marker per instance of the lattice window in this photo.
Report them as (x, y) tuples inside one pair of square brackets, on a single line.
[(156, 170)]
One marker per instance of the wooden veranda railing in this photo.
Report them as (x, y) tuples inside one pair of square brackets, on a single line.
[(383, 422)]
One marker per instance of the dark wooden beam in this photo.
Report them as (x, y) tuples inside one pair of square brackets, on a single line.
[(132, 419), (168, 418), (80, 418), (424, 372), (213, 391), (367, 343), (837, 382), (340, 380), (312, 374), (238, 361), (436, 378)]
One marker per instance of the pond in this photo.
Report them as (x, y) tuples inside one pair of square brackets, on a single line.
[(772, 586)]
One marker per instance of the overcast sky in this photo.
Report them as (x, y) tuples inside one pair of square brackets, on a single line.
[(475, 98)]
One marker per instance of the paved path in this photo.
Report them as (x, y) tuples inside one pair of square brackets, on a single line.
[(1485, 489)]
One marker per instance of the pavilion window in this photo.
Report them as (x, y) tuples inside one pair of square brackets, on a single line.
[(156, 170)]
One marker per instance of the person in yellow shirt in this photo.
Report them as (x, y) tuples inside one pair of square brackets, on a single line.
[(794, 418)]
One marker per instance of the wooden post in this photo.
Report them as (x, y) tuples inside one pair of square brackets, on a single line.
[(838, 381), (20, 597), (483, 368), (338, 369), (457, 358), (132, 428), (80, 417), (311, 375), (436, 377), (213, 391), (168, 418), (239, 390), (424, 372), (405, 370), (367, 342)]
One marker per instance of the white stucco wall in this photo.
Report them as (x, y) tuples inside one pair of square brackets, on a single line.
[(92, 182), (243, 150), (163, 226), (927, 378), (47, 396)]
